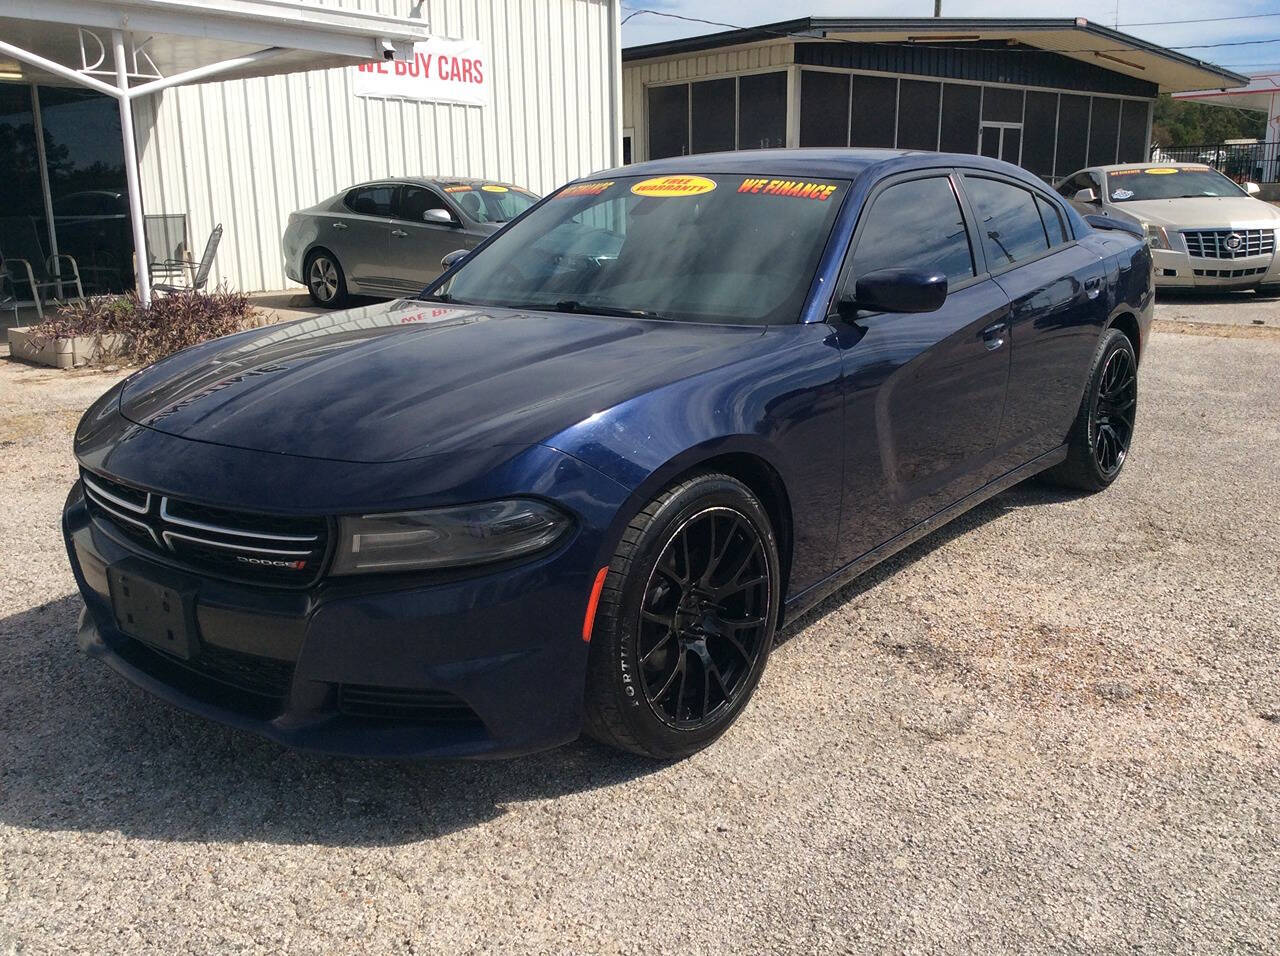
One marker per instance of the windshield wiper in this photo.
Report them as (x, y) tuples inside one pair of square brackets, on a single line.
[(573, 305), (442, 297)]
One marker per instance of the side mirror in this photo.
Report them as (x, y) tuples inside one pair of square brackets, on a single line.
[(453, 258), (1085, 195), (895, 290), (1252, 188), (439, 217)]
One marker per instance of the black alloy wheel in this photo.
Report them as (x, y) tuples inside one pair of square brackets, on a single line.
[(1100, 437), (1112, 423), (704, 618), (685, 620)]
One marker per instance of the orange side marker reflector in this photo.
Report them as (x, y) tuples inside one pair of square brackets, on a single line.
[(593, 602)]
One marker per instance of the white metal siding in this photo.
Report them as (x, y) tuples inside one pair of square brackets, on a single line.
[(246, 153), (636, 79)]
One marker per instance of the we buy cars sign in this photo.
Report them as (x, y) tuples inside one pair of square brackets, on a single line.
[(442, 71)]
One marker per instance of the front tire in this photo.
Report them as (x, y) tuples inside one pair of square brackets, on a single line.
[(1098, 444), (686, 620), (326, 282)]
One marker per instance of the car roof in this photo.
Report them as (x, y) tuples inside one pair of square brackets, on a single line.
[(827, 163), (438, 181), (1150, 164)]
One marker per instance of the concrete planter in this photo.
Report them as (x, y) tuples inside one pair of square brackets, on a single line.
[(68, 352)]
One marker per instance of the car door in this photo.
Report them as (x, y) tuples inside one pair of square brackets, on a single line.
[(418, 245), (1057, 288), (359, 234), (924, 392)]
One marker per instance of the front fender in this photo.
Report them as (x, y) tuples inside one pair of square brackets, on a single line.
[(782, 408)]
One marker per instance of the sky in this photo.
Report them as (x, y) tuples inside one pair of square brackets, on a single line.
[(1148, 19)]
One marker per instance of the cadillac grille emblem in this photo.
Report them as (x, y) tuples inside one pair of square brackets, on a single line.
[(1233, 241)]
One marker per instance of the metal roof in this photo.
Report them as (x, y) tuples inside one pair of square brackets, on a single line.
[(1075, 38)]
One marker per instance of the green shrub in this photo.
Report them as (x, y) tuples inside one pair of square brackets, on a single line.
[(172, 322)]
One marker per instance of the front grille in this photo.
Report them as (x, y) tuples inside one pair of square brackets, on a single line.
[(1229, 273), (244, 546), (245, 683), (403, 704), (1229, 243)]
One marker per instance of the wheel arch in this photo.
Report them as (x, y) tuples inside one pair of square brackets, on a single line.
[(1127, 323), (749, 466)]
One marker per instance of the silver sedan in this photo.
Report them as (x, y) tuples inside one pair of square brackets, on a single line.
[(387, 238)]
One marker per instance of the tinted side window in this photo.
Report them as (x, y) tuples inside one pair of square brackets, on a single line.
[(371, 200), (416, 200), (1008, 221), (915, 225), (1053, 224)]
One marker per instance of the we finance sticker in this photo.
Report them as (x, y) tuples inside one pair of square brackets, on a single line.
[(790, 188), (669, 186), (491, 188), (583, 189)]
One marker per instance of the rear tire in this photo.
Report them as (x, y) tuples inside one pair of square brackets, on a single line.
[(1098, 443), (685, 621), (326, 282)]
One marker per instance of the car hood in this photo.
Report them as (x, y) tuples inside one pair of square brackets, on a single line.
[(1203, 212), (407, 379)]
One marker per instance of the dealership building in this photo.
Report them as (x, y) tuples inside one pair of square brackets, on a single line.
[(1052, 95), (126, 123)]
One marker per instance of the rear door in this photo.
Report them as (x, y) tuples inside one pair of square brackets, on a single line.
[(1058, 291), (924, 392), (417, 246), (359, 234)]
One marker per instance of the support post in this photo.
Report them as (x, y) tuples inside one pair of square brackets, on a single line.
[(140, 267), (43, 160)]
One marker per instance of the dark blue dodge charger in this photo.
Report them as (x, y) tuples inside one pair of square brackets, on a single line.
[(582, 479)]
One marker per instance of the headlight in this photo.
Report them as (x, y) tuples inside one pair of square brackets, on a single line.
[(446, 537), (1157, 236)]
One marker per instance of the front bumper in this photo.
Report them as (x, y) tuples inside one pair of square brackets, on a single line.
[(1174, 269), (428, 665)]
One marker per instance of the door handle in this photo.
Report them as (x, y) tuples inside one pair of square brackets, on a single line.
[(339, 225), (993, 336), (399, 233), (1093, 286)]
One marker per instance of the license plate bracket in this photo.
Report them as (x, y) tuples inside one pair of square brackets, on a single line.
[(158, 614)]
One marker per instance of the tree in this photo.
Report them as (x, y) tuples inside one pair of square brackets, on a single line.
[(1187, 123)]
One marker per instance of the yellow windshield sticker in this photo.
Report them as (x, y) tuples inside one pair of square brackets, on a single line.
[(790, 188), (492, 188), (667, 186), (584, 189), (1161, 171)]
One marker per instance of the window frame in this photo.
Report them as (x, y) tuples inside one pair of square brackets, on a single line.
[(395, 194), (948, 173), (398, 201), (1052, 197)]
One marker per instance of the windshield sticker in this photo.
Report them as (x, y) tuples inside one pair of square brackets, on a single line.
[(668, 186), (787, 187), (1121, 194), (1161, 171), (583, 189), (457, 189), (493, 188)]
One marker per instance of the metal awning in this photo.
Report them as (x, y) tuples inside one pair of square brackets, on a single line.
[(1262, 93), (131, 48)]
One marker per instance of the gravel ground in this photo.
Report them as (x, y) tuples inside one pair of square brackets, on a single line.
[(1053, 725)]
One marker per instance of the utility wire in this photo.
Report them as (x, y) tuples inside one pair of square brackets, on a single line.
[(924, 40), (1161, 23)]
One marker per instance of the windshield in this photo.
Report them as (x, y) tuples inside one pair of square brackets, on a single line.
[(490, 202), (1169, 182), (720, 249)]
